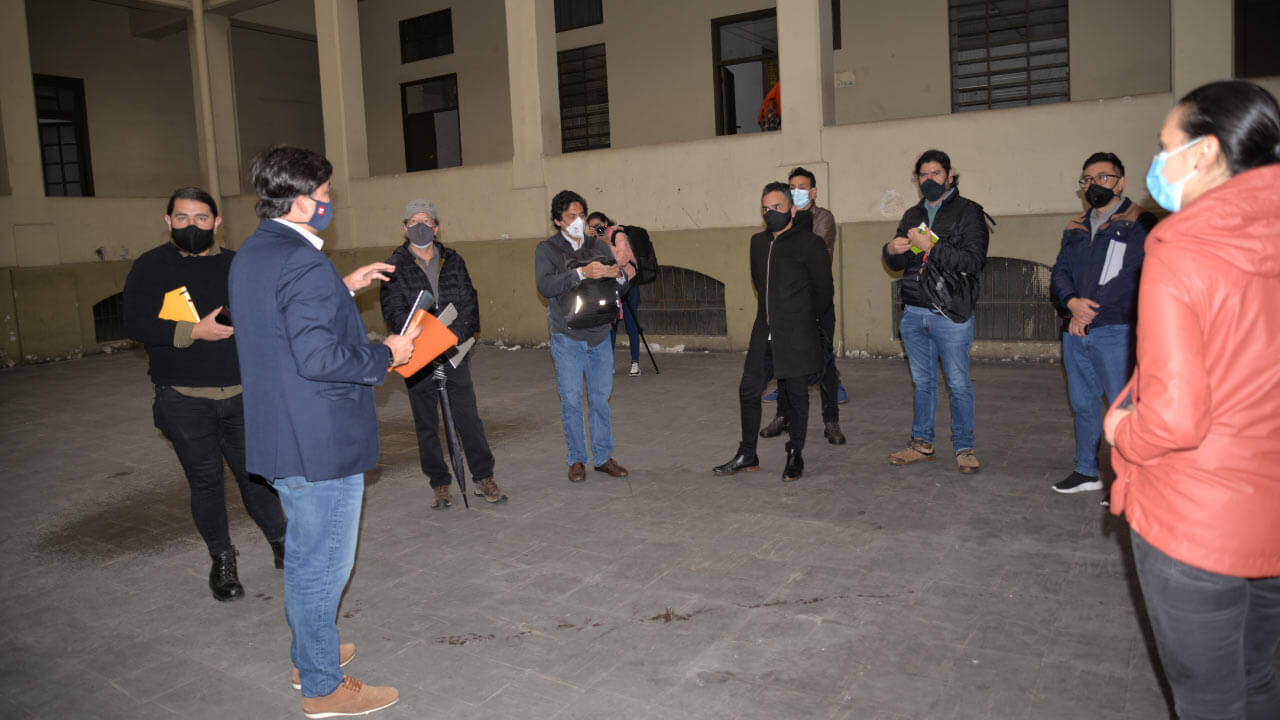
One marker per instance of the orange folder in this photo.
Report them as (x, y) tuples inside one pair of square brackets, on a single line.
[(435, 339), (178, 306)]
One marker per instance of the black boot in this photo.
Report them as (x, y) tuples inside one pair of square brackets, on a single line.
[(223, 580), (277, 551), (795, 466), (740, 462)]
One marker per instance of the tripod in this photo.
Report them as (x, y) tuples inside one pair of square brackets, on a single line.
[(450, 432), (626, 308)]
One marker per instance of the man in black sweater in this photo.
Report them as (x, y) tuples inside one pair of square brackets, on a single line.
[(424, 263), (193, 365)]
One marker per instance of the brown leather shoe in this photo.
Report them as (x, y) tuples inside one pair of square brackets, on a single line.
[(489, 490), (831, 431), (442, 499), (577, 472), (777, 427), (346, 652), (352, 697), (611, 467)]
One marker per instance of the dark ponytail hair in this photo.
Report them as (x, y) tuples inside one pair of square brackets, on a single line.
[(1244, 118)]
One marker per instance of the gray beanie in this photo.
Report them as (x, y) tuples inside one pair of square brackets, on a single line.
[(420, 206)]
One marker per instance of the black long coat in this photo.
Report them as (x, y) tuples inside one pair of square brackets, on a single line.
[(794, 291)]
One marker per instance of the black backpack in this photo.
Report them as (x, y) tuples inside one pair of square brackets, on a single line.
[(642, 248)]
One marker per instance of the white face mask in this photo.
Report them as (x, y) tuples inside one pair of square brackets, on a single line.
[(575, 228)]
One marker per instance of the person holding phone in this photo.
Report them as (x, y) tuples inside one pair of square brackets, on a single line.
[(1197, 452)]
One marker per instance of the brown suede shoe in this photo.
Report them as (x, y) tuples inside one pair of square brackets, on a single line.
[(489, 490), (442, 499), (577, 472), (346, 651), (777, 427), (611, 467), (917, 451), (967, 462), (352, 697)]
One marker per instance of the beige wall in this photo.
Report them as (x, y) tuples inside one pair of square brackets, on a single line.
[(1119, 48), (137, 92), (4, 165), (897, 54), (479, 58), (277, 92)]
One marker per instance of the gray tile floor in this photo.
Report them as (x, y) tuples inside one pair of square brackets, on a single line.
[(861, 592)]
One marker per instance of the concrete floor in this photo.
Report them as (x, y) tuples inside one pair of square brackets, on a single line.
[(861, 592)]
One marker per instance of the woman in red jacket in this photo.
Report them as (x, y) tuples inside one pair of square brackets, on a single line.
[(1197, 453)]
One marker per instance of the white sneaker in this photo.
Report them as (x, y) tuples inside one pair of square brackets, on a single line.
[(635, 369)]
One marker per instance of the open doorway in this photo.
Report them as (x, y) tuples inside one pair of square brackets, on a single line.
[(745, 56)]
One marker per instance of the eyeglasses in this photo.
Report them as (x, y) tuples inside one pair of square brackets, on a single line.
[(1099, 179)]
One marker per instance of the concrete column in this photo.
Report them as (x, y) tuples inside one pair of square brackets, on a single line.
[(222, 94), (18, 109), (346, 142), (1203, 43), (201, 87), (535, 100), (804, 52)]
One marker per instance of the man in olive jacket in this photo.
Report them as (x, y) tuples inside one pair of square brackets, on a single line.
[(791, 274)]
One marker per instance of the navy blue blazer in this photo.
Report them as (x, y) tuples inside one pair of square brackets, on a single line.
[(306, 363)]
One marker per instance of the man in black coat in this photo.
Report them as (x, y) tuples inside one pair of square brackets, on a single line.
[(949, 233), (791, 274), (423, 263)]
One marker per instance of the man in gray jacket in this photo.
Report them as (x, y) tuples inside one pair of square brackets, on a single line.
[(562, 263)]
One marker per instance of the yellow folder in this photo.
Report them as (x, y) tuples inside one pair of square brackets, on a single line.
[(178, 306)]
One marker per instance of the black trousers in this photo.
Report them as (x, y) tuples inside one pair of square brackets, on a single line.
[(828, 386), (755, 377), (424, 400), (204, 432)]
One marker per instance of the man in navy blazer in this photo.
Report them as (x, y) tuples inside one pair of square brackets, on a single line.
[(308, 371)]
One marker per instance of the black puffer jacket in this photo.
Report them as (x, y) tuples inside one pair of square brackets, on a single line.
[(398, 293), (961, 228)]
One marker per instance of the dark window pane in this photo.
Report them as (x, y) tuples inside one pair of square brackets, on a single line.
[(572, 14), (426, 36), (584, 99), (73, 189), (750, 38)]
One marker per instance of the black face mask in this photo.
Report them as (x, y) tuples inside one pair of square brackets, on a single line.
[(932, 190), (774, 221), (1098, 196), (192, 239), (421, 235)]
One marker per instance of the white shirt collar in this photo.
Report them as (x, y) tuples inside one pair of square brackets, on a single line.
[(575, 244), (310, 236)]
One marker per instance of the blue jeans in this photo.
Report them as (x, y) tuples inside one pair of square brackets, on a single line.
[(929, 337), (575, 359), (1216, 635), (1098, 363), (632, 301), (319, 551)]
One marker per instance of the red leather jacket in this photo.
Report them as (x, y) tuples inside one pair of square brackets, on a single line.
[(1198, 460)]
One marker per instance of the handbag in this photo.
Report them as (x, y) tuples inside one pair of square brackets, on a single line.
[(950, 292)]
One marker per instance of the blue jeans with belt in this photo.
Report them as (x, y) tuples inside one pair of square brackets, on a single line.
[(1097, 364), (319, 552), (928, 338), (1216, 635)]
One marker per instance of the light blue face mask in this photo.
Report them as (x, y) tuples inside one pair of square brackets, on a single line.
[(800, 197), (1168, 195)]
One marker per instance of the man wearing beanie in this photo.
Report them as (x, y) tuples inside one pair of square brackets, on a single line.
[(423, 263)]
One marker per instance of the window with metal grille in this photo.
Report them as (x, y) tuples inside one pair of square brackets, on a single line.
[(108, 319), (426, 36), (683, 302), (572, 14), (1008, 53), (64, 136), (584, 99), (1014, 303)]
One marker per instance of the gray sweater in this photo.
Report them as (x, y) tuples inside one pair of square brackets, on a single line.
[(556, 281)]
